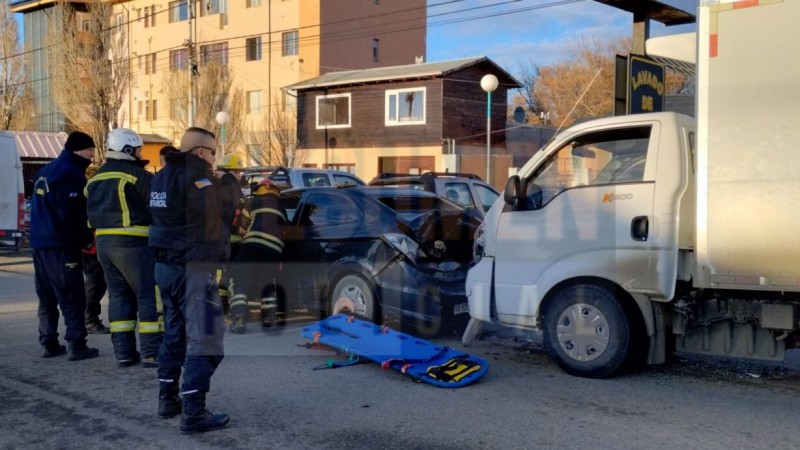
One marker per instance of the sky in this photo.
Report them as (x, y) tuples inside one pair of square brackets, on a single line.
[(537, 31)]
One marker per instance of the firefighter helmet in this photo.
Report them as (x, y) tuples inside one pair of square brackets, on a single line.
[(264, 186), (124, 140), (231, 161)]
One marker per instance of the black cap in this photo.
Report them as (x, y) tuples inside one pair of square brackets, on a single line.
[(78, 141)]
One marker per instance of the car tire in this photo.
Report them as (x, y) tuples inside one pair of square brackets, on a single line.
[(587, 332), (352, 293)]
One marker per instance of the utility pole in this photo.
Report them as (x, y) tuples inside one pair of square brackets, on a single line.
[(192, 62)]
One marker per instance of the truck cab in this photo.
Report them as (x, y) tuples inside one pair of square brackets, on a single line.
[(591, 218)]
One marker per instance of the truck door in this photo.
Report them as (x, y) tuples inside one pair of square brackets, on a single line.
[(589, 213)]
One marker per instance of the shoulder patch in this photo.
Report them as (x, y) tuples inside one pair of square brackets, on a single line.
[(202, 183)]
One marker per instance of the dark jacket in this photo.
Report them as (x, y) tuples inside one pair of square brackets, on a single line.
[(187, 210), (118, 197), (232, 201), (267, 223), (58, 204)]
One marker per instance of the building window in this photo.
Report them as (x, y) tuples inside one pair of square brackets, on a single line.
[(253, 102), (253, 49), (375, 44), (253, 3), (209, 7), (290, 44), (151, 112), (177, 109), (86, 25), (178, 59), (139, 108), (289, 102), (333, 111), (150, 16), (139, 62), (214, 54), (150, 63), (405, 106), (120, 19), (178, 11)]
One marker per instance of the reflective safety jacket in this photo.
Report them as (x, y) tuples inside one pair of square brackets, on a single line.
[(117, 198), (267, 222)]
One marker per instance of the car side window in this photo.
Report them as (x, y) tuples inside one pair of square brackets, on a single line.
[(316, 179), (487, 196), (344, 179), (328, 210), (459, 194), (290, 203)]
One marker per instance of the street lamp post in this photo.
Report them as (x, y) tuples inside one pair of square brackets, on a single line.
[(222, 119), (489, 84)]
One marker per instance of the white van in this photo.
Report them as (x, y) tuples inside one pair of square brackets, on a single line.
[(12, 194)]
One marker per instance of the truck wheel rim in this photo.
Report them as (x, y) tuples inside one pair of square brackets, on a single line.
[(583, 332)]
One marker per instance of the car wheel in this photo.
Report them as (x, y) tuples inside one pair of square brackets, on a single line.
[(587, 332), (352, 293)]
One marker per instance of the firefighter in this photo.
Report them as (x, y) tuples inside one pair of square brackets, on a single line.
[(118, 196), (230, 175), (256, 265)]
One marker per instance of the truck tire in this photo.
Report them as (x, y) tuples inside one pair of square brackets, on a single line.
[(354, 294), (587, 332)]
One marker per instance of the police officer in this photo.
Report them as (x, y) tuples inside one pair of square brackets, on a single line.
[(118, 195), (255, 267), (190, 240), (58, 233)]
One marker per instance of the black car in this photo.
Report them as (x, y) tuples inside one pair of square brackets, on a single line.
[(396, 256)]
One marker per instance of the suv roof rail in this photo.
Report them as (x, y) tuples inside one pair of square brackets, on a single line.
[(451, 174), (385, 175)]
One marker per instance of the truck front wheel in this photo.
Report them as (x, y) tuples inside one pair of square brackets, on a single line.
[(587, 332)]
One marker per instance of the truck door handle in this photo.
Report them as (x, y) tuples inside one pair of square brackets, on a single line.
[(639, 228), (332, 247)]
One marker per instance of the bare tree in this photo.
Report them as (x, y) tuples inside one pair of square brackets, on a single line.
[(214, 93), (90, 69), (276, 138), (582, 85), (16, 100)]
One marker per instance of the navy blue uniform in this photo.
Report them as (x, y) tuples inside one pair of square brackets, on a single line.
[(58, 232), (189, 239)]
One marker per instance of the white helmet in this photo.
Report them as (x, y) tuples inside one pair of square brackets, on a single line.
[(124, 140)]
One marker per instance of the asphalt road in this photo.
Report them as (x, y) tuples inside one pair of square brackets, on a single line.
[(275, 399)]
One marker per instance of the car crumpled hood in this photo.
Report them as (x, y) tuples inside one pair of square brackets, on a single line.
[(444, 236)]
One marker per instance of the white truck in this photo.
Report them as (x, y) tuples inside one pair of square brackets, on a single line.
[(12, 194), (628, 237)]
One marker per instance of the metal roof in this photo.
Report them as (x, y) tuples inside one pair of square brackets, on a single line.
[(654, 10), (39, 144), (424, 70)]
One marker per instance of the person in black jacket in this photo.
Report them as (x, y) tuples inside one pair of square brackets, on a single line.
[(190, 239), (58, 232), (118, 207), (255, 267)]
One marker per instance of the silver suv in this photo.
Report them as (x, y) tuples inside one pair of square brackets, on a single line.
[(293, 177), (464, 189)]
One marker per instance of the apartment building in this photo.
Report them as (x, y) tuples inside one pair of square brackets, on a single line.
[(262, 46)]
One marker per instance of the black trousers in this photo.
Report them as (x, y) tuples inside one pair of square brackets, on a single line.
[(95, 287), (59, 284)]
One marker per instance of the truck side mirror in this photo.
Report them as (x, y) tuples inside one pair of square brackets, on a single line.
[(512, 193)]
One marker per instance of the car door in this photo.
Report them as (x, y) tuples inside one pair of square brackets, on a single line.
[(320, 233), (590, 206)]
